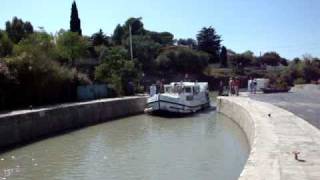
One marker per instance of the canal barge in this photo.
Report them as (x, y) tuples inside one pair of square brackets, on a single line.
[(179, 98)]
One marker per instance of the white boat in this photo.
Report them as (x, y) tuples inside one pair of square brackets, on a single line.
[(180, 98)]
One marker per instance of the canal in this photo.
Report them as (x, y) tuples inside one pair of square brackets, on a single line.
[(203, 146)]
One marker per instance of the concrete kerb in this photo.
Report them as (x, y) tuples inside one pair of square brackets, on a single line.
[(273, 135)]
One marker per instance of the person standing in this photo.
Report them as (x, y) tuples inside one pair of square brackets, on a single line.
[(250, 85), (221, 86), (254, 85), (237, 86), (153, 90), (231, 86)]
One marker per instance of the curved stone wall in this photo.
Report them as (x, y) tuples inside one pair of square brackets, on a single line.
[(274, 134), (24, 126)]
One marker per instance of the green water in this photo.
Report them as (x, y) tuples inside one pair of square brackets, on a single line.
[(200, 147)]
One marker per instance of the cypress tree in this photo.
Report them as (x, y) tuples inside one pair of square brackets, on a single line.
[(75, 23)]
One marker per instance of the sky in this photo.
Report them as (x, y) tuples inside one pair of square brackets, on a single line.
[(289, 27)]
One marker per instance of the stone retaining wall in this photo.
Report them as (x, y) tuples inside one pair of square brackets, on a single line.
[(24, 126), (274, 134)]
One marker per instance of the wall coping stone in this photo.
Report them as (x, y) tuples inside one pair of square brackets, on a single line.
[(273, 139)]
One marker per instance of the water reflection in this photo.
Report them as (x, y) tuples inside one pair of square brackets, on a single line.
[(203, 146)]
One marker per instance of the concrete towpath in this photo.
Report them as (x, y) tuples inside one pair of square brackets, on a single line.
[(303, 101), (275, 135)]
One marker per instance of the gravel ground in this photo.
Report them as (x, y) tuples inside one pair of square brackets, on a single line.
[(304, 101)]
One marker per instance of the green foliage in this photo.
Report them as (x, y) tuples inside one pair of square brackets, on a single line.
[(100, 38), (118, 35), (75, 22), (163, 38), (223, 57), (188, 42), (117, 70), (240, 61), (136, 26), (302, 71), (17, 29), (37, 42), (300, 81), (183, 60), (39, 79), (271, 59), (6, 45), (35, 77), (145, 50), (209, 41), (71, 46)]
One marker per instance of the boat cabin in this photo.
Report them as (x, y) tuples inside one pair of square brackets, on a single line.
[(182, 88)]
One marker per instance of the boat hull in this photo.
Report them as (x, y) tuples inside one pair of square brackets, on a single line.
[(167, 107)]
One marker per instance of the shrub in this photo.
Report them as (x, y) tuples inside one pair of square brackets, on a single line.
[(117, 71), (38, 78), (182, 60), (300, 81)]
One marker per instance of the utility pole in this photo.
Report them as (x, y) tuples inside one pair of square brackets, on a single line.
[(130, 38)]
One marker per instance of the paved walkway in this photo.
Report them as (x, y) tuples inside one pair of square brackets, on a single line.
[(274, 135), (303, 101)]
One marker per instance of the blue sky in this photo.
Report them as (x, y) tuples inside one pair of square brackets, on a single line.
[(290, 27)]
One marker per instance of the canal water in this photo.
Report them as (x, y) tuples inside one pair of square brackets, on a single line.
[(203, 146)]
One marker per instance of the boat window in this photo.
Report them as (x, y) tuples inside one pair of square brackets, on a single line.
[(196, 89), (167, 89), (187, 90), (177, 89)]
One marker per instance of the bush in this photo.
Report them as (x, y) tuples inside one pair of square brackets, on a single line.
[(38, 79), (300, 81), (182, 60), (117, 71), (6, 45)]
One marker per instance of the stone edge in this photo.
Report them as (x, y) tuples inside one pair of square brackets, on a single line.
[(270, 143)]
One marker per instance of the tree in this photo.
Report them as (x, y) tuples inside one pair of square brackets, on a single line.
[(17, 29), (118, 35), (188, 42), (209, 41), (145, 50), (40, 79), (271, 58), (6, 45), (28, 28), (136, 26), (117, 70), (223, 57), (240, 61), (75, 22), (183, 60), (99, 38), (70, 46), (35, 43), (163, 38)]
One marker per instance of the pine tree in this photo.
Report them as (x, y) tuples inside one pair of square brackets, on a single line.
[(209, 41), (75, 23), (99, 38)]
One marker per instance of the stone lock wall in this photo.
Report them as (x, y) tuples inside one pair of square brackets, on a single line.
[(24, 126)]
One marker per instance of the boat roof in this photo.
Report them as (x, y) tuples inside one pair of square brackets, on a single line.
[(189, 83)]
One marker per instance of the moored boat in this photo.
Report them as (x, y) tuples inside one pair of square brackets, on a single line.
[(180, 98)]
